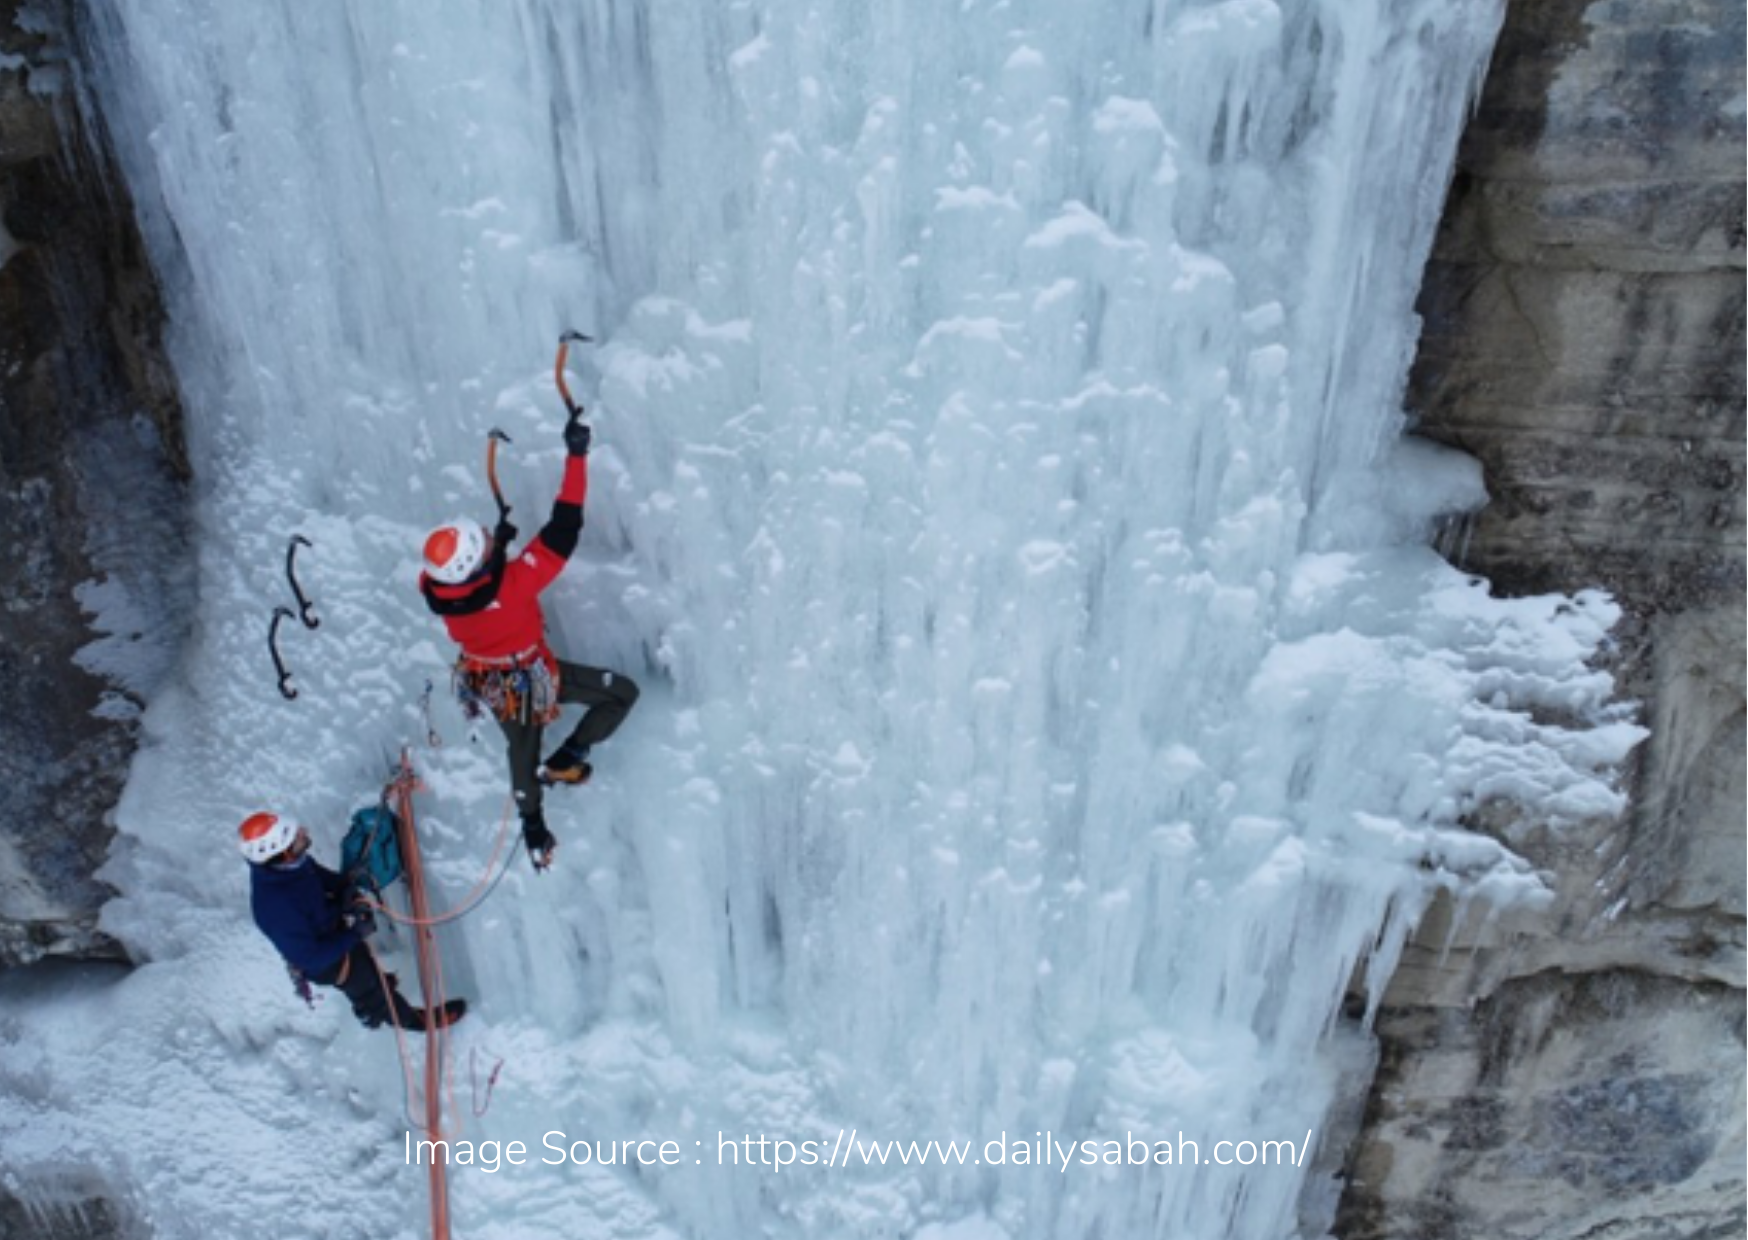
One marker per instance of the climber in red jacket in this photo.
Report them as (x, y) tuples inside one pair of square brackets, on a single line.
[(490, 603)]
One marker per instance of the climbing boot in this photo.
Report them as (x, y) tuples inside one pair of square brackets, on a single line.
[(444, 1016), (567, 766)]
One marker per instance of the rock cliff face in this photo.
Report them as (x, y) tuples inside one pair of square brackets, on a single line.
[(1580, 1073), (95, 575), (92, 499)]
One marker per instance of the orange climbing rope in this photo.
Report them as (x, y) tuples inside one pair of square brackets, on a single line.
[(439, 1085), (431, 987), (484, 887)]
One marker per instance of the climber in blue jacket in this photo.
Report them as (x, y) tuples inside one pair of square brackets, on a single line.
[(309, 914)]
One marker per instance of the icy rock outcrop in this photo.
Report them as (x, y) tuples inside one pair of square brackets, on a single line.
[(91, 499), (1584, 339)]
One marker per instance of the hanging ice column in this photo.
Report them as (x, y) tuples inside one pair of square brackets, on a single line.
[(998, 468), (1097, 718)]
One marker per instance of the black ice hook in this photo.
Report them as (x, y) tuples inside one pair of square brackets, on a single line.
[(285, 687), (304, 610)]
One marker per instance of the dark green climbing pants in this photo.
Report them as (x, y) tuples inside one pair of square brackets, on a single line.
[(609, 697)]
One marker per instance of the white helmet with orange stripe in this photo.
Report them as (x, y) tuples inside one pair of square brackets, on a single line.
[(264, 836), (457, 550)]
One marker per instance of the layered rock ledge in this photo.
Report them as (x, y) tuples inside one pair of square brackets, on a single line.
[(1580, 1073)]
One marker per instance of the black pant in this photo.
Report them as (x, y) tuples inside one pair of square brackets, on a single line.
[(609, 697), (363, 985)]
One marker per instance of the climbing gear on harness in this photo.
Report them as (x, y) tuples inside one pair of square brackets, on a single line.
[(566, 766), (264, 836), (456, 551), (522, 688), (304, 610), (286, 690)]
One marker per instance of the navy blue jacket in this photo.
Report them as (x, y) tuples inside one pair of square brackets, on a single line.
[(299, 908)]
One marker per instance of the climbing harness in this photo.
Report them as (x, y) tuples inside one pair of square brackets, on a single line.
[(286, 690), (305, 611), (519, 688)]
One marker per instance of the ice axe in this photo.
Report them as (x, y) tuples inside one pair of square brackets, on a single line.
[(305, 611), (493, 438), (564, 346), (286, 690)]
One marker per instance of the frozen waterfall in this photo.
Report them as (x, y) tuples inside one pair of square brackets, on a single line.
[(1050, 694)]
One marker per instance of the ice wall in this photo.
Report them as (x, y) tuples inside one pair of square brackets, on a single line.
[(1050, 696)]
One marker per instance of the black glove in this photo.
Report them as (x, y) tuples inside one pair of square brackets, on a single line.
[(363, 921), (577, 436), (505, 533), (538, 840)]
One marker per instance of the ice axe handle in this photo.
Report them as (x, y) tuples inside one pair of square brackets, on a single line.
[(285, 686), (493, 438), (564, 344)]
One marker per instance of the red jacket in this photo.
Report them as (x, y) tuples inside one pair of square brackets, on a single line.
[(496, 613)]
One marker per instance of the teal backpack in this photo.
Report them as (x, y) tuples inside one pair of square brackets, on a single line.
[(371, 853)]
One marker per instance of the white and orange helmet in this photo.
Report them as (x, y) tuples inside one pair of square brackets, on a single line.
[(457, 550), (264, 836)]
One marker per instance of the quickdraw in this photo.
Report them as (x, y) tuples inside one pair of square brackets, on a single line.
[(522, 689)]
